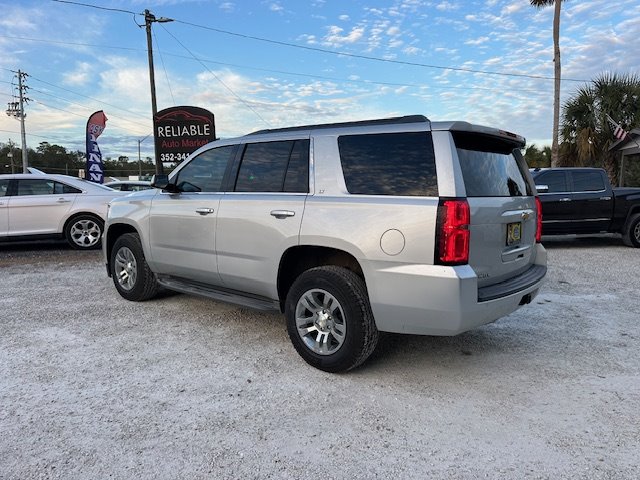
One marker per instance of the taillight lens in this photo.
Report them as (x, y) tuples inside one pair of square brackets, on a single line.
[(538, 220), (453, 231)]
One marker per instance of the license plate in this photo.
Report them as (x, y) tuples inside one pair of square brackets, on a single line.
[(514, 233)]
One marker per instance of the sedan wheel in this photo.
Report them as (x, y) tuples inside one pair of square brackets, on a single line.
[(84, 232)]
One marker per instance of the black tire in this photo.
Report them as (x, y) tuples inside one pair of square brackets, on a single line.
[(336, 331), (84, 232), (131, 274), (631, 235)]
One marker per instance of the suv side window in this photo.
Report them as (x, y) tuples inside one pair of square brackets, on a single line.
[(205, 172), (274, 167), (389, 164), (556, 181), (587, 181)]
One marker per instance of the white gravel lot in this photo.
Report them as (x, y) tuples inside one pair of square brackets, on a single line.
[(93, 386)]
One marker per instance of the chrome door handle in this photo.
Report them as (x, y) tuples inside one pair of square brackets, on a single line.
[(204, 211), (282, 213), (605, 198), (564, 200)]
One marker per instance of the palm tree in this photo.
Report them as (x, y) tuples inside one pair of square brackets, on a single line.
[(556, 73), (586, 133)]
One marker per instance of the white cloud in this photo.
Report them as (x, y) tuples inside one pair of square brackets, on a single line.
[(79, 76), (477, 41), (336, 38)]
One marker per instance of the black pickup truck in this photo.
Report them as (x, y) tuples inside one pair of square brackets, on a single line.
[(581, 200)]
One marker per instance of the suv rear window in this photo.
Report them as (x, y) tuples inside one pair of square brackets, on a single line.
[(489, 166), (389, 164)]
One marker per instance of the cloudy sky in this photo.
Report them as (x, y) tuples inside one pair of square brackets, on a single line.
[(275, 63)]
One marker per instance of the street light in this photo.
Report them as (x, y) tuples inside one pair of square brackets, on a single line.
[(150, 18)]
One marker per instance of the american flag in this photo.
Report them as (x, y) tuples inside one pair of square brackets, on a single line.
[(618, 131)]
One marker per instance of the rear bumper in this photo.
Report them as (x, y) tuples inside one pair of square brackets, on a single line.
[(439, 300)]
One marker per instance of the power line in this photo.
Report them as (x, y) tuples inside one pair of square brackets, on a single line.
[(166, 75), (95, 6), (372, 58), (285, 72), (345, 54), (218, 78)]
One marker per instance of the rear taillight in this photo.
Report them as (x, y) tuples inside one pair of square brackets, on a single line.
[(538, 220), (453, 232)]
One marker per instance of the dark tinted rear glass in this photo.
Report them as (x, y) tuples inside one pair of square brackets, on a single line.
[(389, 164), (489, 166)]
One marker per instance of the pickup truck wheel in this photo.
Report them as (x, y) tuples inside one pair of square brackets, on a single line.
[(631, 236), (329, 319), (84, 232), (131, 275)]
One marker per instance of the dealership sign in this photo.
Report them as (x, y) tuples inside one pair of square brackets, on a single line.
[(180, 131)]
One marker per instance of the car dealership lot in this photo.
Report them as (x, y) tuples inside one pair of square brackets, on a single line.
[(92, 386)]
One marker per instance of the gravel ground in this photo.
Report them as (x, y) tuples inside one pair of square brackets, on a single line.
[(93, 386)]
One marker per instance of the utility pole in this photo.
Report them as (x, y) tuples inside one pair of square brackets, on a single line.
[(150, 18), (16, 109)]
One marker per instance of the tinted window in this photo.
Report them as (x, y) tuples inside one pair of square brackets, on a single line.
[(38, 186), (274, 167), (389, 164), (64, 188), (587, 181), (297, 177), (205, 172), (4, 188), (489, 166), (556, 181)]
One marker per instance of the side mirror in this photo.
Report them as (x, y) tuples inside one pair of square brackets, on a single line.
[(542, 188), (162, 182)]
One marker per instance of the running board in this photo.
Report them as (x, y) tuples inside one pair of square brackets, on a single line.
[(229, 296)]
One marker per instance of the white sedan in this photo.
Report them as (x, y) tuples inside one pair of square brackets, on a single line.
[(34, 206)]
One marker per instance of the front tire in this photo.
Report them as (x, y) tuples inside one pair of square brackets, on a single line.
[(131, 274), (329, 319), (84, 232), (631, 235)]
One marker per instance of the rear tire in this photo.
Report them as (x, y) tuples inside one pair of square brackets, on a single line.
[(329, 319), (84, 232), (631, 235), (131, 274)]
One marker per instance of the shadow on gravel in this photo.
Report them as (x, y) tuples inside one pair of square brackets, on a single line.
[(582, 241)]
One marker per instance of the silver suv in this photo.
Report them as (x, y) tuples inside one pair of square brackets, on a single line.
[(351, 229)]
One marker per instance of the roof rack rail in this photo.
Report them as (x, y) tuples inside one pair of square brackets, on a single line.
[(361, 123)]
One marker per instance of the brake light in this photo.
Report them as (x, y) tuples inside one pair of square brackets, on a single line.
[(453, 231), (538, 220)]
